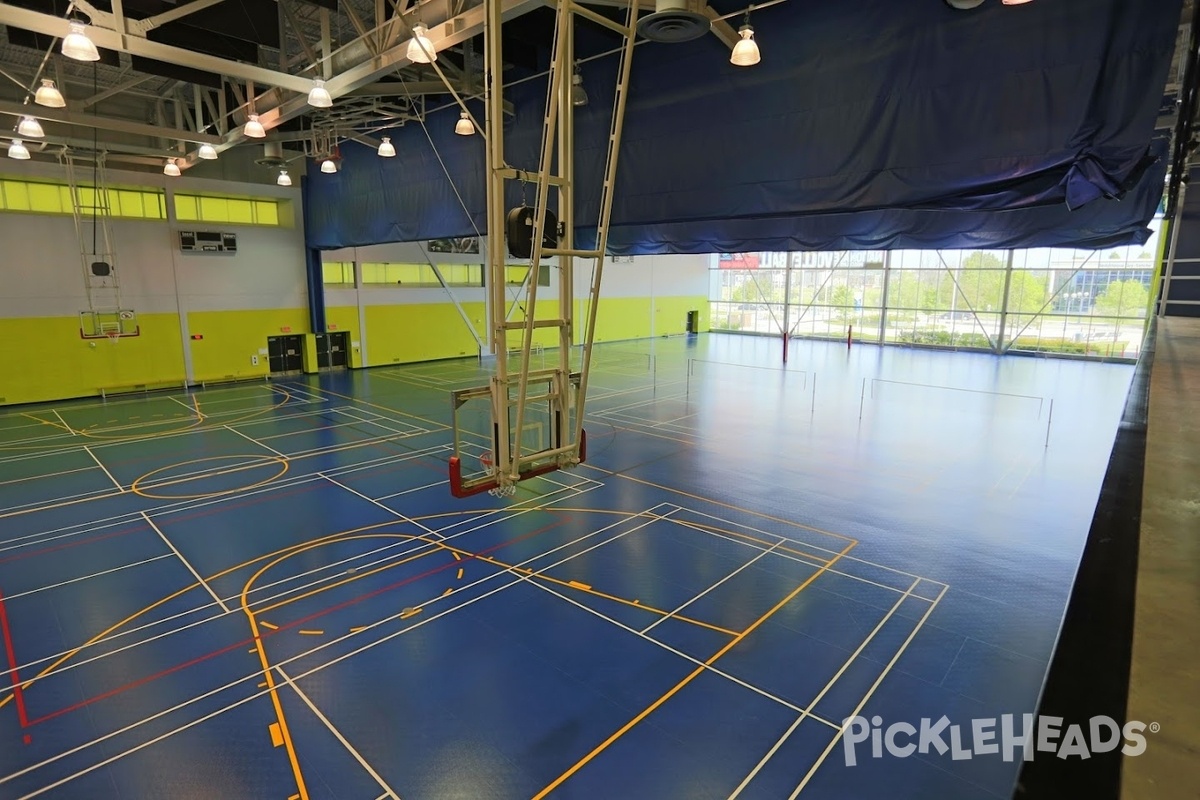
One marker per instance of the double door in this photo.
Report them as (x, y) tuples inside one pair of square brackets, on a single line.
[(332, 350), (285, 353)]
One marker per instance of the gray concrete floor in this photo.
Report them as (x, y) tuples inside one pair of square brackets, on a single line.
[(1165, 677)]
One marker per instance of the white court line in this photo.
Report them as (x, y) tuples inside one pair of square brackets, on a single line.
[(813, 704), (116, 482), (707, 667), (375, 502), (85, 577), (387, 790), (284, 456), (48, 475), (319, 668), (709, 589), (380, 425), (186, 563), (194, 411), (64, 422), (870, 692)]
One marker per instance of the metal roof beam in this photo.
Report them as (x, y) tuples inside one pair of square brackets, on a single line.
[(67, 117)]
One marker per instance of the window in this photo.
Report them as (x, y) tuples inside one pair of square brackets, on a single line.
[(232, 210), (385, 273), (338, 273), (514, 274), (40, 197), (1082, 303)]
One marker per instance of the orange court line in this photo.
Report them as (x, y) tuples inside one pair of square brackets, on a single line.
[(648, 710), (276, 734), (311, 633)]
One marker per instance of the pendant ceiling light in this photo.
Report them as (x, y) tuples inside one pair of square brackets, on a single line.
[(464, 126), (284, 179), (30, 128), (207, 152), (48, 95), (254, 129), (745, 52), (421, 49), (386, 148), (171, 168), (18, 151), (77, 45), (329, 166), (318, 95)]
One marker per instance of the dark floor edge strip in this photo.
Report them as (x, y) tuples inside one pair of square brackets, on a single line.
[(1089, 673)]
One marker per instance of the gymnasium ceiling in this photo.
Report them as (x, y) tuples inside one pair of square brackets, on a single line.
[(175, 74)]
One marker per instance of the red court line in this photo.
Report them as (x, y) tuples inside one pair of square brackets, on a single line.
[(12, 660), (337, 607)]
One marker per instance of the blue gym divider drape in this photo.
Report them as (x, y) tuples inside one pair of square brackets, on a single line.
[(868, 124)]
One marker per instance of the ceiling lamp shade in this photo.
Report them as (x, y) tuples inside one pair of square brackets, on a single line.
[(18, 151), (421, 49), (77, 45), (386, 148), (30, 128), (318, 95), (48, 95), (329, 166), (464, 126), (745, 52), (254, 129), (284, 179), (1015, 2), (171, 169), (207, 152), (579, 95)]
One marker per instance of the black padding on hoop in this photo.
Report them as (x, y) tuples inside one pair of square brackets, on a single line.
[(519, 227)]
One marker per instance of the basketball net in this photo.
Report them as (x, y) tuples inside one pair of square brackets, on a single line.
[(113, 336)]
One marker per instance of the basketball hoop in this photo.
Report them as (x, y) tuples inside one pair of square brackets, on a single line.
[(112, 336)]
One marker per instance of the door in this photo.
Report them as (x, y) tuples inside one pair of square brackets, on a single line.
[(284, 354), (339, 349), (322, 350), (275, 353), (693, 322)]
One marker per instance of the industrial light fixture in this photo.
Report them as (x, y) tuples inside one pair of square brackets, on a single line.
[(421, 49), (329, 166), (18, 151), (579, 95), (386, 148), (318, 95), (171, 169), (254, 129), (77, 45), (1015, 2), (207, 152), (48, 95), (30, 128), (745, 52), (464, 126), (284, 179)]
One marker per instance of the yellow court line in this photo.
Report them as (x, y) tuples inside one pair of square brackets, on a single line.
[(293, 759), (323, 390), (311, 633), (700, 526), (359, 629), (578, 585), (449, 590), (139, 488), (648, 710), (409, 612), (276, 734), (47, 422), (269, 626), (460, 573)]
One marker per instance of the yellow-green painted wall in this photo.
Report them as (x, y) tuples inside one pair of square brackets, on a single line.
[(623, 318), (670, 314), (232, 340), (401, 334), (53, 362)]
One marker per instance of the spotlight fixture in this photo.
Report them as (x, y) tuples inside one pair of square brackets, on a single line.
[(318, 95), (1015, 2), (254, 129), (171, 168), (464, 126), (421, 49), (30, 128), (745, 52), (329, 166), (386, 148), (579, 95), (18, 151), (77, 45), (284, 179), (48, 95), (207, 152)]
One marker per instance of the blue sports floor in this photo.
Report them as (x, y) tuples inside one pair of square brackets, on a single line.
[(265, 590)]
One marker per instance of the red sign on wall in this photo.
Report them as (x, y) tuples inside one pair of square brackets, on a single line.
[(739, 261), (286, 329), (332, 327)]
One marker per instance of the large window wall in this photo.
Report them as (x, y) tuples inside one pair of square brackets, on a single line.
[(1085, 303)]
